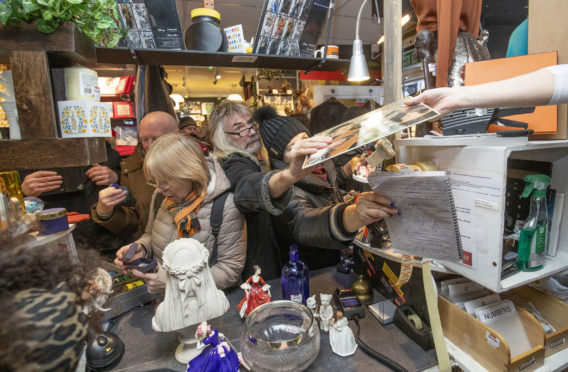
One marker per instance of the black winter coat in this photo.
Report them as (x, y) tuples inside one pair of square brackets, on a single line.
[(249, 184), (313, 219)]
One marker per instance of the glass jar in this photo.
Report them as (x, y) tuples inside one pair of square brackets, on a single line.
[(206, 33), (280, 336)]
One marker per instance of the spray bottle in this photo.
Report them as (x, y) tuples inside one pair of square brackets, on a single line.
[(533, 239)]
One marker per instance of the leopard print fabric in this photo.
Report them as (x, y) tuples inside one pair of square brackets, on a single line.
[(52, 331)]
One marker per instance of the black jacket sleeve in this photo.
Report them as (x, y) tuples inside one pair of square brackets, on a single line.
[(250, 187), (317, 226)]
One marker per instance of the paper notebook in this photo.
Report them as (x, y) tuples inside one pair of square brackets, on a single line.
[(427, 226)]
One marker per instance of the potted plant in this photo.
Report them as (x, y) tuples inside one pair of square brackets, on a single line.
[(97, 19)]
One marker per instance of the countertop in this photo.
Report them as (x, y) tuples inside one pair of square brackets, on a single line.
[(147, 350)]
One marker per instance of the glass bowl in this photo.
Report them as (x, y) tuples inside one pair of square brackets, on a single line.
[(280, 336)]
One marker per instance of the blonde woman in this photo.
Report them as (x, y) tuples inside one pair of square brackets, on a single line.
[(189, 183)]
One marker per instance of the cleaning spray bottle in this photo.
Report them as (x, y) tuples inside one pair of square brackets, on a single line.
[(533, 239)]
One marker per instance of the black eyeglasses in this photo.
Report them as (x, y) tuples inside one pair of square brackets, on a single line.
[(247, 131)]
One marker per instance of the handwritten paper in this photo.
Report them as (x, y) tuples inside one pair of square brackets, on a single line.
[(428, 225)]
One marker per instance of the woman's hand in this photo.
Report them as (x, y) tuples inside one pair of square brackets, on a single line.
[(443, 100), (370, 207), (155, 282), (122, 252), (298, 152)]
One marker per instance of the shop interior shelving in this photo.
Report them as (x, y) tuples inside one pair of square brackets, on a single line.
[(221, 59), (31, 54), (488, 158)]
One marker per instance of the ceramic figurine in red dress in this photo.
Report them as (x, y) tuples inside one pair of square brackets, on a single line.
[(257, 292)]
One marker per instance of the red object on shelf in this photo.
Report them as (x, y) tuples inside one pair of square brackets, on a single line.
[(125, 150), (76, 217), (122, 110), (125, 85)]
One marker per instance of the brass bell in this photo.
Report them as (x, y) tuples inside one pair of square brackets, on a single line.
[(362, 290)]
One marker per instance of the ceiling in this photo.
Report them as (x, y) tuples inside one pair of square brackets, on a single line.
[(198, 81)]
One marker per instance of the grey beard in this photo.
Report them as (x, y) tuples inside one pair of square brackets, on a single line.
[(248, 148)]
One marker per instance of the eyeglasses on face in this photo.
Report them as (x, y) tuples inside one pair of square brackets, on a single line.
[(163, 188), (246, 131)]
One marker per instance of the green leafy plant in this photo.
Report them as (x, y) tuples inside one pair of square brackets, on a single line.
[(98, 19)]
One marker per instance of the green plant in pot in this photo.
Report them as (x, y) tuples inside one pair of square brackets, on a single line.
[(98, 19)]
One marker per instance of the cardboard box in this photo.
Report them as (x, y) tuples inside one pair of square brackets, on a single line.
[(487, 346), (544, 118), (547, 33), (84, 119)]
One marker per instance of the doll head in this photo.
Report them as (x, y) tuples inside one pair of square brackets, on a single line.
[(311, 302), (325, 299), (202, 330), (256, 269), (338, 315)]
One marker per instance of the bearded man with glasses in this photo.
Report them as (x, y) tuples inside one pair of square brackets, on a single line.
[(259, 191)]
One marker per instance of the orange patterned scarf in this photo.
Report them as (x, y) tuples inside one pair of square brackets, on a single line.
[(185, 214)]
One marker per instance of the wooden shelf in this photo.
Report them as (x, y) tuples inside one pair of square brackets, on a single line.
[(51, 152), (65, 46), (221, 59)]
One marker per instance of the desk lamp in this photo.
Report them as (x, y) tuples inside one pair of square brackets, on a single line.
[(358, 70)]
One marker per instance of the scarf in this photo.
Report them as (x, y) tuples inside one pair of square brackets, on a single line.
[(185, 214)]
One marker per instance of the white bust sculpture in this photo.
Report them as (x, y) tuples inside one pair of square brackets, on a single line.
[(191, 295)]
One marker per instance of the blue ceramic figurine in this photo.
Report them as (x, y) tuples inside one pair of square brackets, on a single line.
[(216, 356)]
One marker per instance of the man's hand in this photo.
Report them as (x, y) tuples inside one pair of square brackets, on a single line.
[(102, 175), (108, 199), (155, 282), (39, 182)]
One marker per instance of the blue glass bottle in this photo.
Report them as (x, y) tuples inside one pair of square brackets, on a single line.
[(295, 278)]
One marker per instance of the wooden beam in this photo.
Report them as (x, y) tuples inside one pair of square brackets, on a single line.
[(52, 153), (392, 55), (34, 97)]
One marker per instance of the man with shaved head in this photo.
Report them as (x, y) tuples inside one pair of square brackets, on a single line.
[(126, 212)]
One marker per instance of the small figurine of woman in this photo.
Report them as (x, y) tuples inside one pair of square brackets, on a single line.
[(257, 292), (216, 356), (325, 312), (341, 337)]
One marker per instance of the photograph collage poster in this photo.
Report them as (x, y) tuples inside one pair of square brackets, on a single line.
[(291, 27), (151, 24)]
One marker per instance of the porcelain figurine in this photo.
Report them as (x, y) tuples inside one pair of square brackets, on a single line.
[(191, 295), (257, 292), (216, 354), (341, 337), (325, 312), (312, 304)]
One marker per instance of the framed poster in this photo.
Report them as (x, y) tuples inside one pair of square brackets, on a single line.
[(194, 107), (207, 108), (283, 23)]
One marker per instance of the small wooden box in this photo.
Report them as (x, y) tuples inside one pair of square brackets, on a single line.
[(553, 310), (487, 346)]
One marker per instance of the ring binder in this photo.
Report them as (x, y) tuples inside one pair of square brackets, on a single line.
[(428, 225)]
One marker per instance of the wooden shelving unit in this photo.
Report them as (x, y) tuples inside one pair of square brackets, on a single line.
[(221, 59), (31, 54)]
